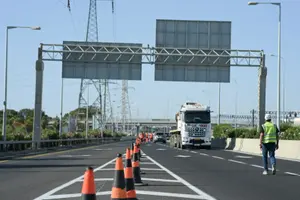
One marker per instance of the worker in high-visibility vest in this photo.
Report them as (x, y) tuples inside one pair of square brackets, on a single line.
[(269, 143)]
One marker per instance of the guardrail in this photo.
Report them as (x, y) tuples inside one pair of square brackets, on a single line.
[(23, 146)]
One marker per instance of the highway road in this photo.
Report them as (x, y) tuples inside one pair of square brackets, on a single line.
[(170, 174)]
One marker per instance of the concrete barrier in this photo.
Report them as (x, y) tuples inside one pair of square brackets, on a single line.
[(287, 148)]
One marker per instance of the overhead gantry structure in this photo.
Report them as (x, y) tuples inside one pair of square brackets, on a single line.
[(93, 53)]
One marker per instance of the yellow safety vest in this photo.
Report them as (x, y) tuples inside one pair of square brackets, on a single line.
[(270, 132)]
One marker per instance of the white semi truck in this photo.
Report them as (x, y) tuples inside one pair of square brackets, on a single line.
[(193, 127)]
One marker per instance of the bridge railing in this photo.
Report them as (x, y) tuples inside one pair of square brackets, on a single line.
[(23, 147)]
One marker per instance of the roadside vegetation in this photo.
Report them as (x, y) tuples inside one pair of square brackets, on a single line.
[(20, 126), (288, 132)]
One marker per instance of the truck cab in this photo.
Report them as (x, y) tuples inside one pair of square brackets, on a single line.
[(193, 126)]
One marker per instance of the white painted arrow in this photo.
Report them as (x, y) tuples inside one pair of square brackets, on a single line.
[(161, 149), (182, 156)]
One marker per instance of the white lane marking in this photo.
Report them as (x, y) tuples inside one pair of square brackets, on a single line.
[(142, 163), (144, 179), (72, 156), (236, 161), (161, 149), (147, 163), (243, 157), (261, 167), (291, 173), (203, 154), (161, 180), (182, 156), (44, 196), (108, 149), (165, 194), (217, 157), (193, 151), (259, 155), (67, 196), (143, 169), (257, 166), (187, 184)]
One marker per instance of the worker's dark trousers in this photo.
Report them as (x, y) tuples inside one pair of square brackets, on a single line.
[(268, 147)]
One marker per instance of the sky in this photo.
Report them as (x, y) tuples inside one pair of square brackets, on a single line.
[(253, 27)]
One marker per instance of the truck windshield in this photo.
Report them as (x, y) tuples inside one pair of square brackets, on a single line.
[(197, 117)]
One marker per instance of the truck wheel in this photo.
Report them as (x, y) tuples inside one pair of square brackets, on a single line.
[(183, 147)]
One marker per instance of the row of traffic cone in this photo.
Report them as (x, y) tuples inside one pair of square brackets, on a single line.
[(124, 179)]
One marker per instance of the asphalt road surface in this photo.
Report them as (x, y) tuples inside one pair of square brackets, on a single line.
[(170, 174)]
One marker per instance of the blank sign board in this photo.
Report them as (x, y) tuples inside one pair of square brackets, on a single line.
[(192, 36), (87, 62)]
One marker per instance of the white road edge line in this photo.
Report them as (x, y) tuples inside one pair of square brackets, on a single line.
[(236, 161), (48, 194), (217, 157), (166, 194), (291, 173), (187, 184)]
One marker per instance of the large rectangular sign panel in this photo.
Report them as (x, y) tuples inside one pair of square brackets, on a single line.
[(83, 60), (195, 38)]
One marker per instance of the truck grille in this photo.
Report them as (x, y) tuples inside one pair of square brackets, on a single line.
[(196, 131)]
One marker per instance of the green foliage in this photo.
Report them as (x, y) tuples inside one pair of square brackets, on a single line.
[(288, 132), (20, 126)]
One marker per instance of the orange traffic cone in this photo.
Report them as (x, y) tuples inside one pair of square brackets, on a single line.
[(88, 190), (118, 189), (129, 182), (136, 168), (139, 157)]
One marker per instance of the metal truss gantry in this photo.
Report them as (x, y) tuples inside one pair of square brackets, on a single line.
[(152, 55)]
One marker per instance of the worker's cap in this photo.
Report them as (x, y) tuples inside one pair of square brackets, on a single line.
[(267, 117)]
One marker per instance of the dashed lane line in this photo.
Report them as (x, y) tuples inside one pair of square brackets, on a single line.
[(203, 154), (236, 161), (291, 173), (217, 157)]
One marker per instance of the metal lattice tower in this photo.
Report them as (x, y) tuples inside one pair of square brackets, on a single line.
[(126, 111), (101, 110)]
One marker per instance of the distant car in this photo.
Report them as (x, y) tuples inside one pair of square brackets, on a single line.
[(159, 137)]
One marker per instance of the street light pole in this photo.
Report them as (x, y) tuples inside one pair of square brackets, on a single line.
[(283, 82), (5, 77), (279, 68), (279, 57), (219, 105)]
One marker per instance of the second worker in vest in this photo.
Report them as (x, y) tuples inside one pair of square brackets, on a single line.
[(269, 140)]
